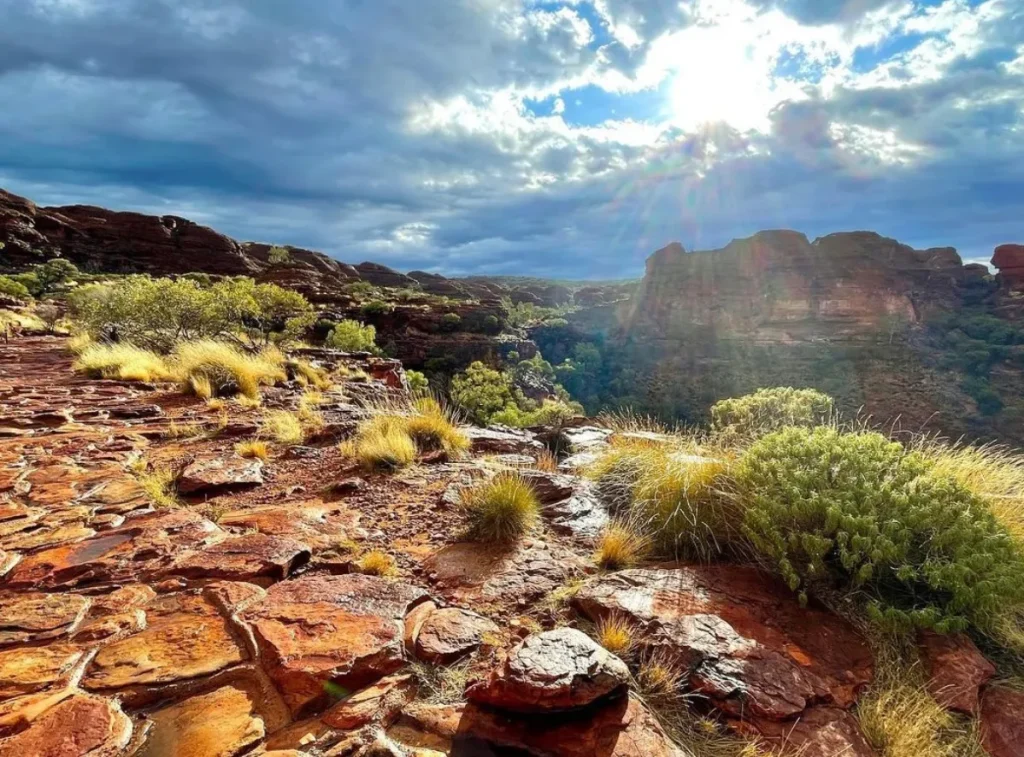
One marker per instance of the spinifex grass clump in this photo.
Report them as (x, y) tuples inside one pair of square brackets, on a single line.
[(122, 361), (381, 444), (670, 493), (859, 512), (207, 368), (620, 546), (433, 428), (502, 509)]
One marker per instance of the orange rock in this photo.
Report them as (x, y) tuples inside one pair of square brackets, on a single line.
[(1002, 722), (451, 633), (35, 617), (957, 670), (79, 725), (221, 723), (249, 556), (27, 670)]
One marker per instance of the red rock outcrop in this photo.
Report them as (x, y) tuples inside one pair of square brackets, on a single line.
[(1009, 260)]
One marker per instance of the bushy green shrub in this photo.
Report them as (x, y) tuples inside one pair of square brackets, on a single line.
[(158, 313), (11, 288), (482, 392), (451, 321), (376, 307), (353, 336), (767, 410), (418, 383), (859, 512)]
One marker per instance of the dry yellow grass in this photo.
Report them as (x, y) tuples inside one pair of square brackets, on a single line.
[(124, 362), (177, 430), (659, 677), (547, 461), (615, 633), (209, 368), (620, 546), (377, 563), (254, 448), (160, 485), (381, 446), (501, 509), (307, 374), (283, 426)]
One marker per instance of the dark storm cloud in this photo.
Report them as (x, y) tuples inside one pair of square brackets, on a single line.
[(303, 122)]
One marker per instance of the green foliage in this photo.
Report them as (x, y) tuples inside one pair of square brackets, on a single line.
[(482, 392), (279, 256), (858, 512), (158, 313), (353, 336), (12, 288), (767, 410), (451, 321), (418, 383), (376, 307), (520, 315), (52, 273), (358, 288)]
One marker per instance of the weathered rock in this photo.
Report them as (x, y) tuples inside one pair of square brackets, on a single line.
[(622, 727), (469, 571), (550, 487), (221, 723), (186, 639), (583, 514), (66, 725), (957, 670), (378, 702), (347, 630), (245, 557), (36, 617), (818, 732), (312, 522), (27, 670), (414, 621), (143, 546), (554, 670), (216, 475), (1009, 260), (748, 644), (451, 633), (502, 441), (1002, 722)]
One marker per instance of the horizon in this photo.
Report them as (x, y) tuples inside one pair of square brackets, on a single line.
[(562, 139)]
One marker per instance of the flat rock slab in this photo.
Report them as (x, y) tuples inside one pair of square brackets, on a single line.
[(217, 475), (37, 617), (621, 728), (67, 725), (32, 669), (550, 487), (582, 515), (1002, 722), (555, 670), (502, 441), (221, 723), (245, 557), (818, 732), (146, 546), (956, 670), (322, 634), (451, 633), (469, 571), (312, 522), (748, 644), (186, 639)]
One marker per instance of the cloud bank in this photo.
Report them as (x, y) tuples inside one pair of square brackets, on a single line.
[(566, 138)]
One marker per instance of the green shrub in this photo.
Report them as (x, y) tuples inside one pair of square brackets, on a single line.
[(858, 512), (418, 383), (278, 256), (451, 321), (376, 307), (11, 288), (767, 410), (482, 392), (353, 336), (158, 313)]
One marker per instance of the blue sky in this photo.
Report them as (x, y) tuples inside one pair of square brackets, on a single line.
[(565, 138)]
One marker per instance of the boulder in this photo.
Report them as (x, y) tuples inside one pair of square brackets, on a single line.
[(1009, 260), (956, 670), (746, 642), (555, 670), (1002, 722), (251, 557), (500, 440), (449, 634), (321, 633), (550, 487), (216, 475), (818, 732)]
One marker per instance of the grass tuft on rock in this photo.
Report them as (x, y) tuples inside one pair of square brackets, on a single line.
[(209, 368), (615, 632), (283, 426), (124, 362), (381, 445), (377, 563), (620, 546), (502, 509), (253, 449)]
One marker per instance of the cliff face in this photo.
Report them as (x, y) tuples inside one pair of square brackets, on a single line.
[(776, 286), (854, 314)]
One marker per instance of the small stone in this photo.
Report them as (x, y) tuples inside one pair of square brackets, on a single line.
[(450, 634), (554, 670), (216, 475)]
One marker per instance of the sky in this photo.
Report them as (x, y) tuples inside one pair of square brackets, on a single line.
[(562, 138)]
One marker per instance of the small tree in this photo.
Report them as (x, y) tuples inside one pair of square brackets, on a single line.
[(353, 336), (482, 392), (15, 289), (53, 273), (49, 314)]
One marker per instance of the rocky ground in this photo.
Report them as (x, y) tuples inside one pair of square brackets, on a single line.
[(239, 622)]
